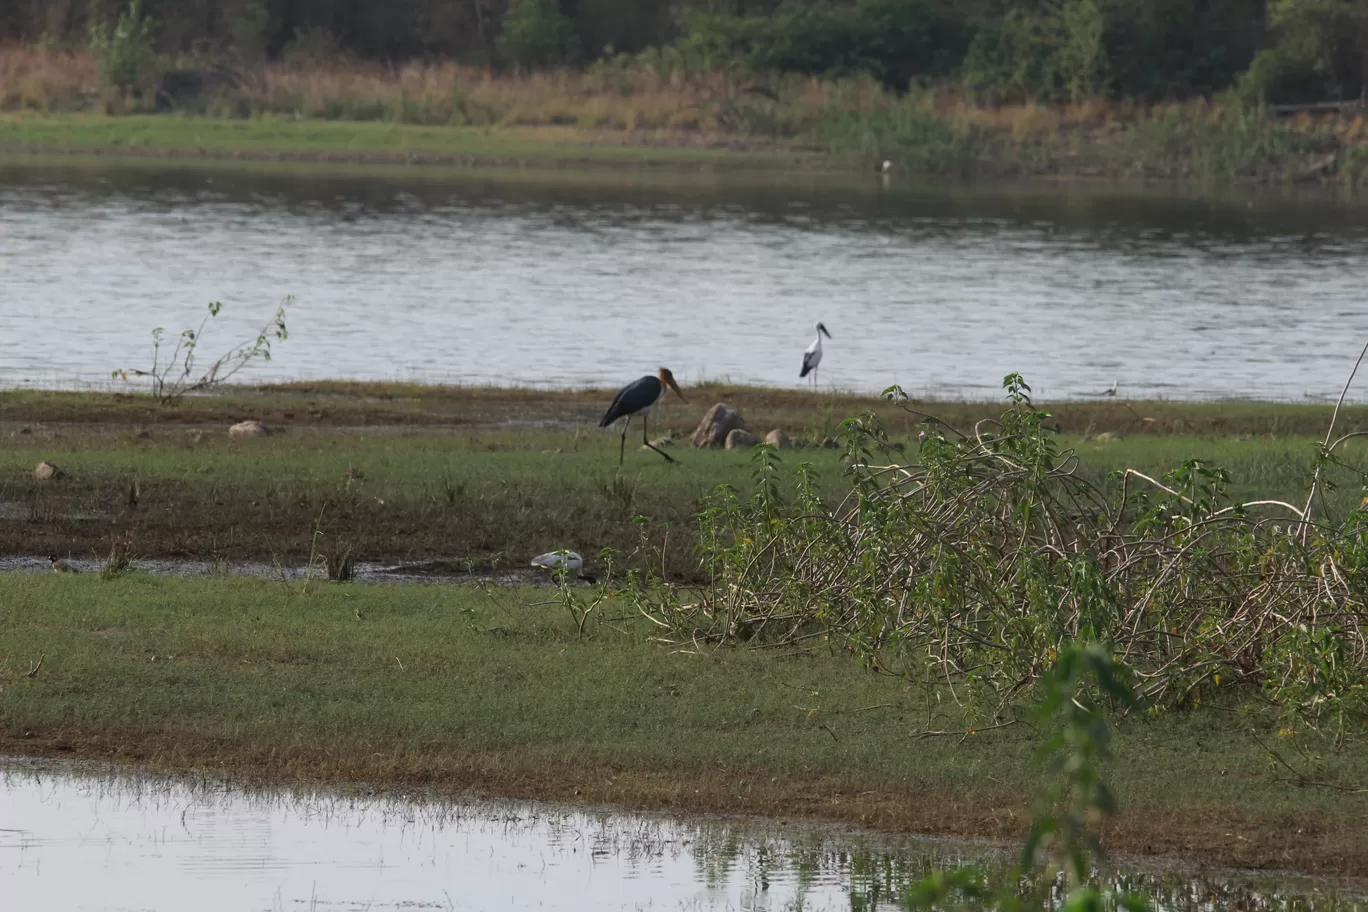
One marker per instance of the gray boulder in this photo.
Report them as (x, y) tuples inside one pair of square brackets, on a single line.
[(720, 421), (741, 439)]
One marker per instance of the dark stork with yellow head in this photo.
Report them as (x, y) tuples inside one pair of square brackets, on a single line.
[(636, 398)]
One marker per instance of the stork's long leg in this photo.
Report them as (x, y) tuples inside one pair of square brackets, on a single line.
[(622, 447), (668, 457)]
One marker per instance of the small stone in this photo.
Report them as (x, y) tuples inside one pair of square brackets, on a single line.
[(741, 439), (779, 439), (47, 471), (720, 421), (1107, 437), (248, 429)]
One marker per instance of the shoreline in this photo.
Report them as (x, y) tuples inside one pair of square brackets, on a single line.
[(838, 828), (487, 689), (344, 405), (452, 764), (372, 143), (274, 139)]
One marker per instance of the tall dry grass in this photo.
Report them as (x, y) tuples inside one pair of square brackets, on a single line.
[(47, 80), (658, 96), (614, 95)]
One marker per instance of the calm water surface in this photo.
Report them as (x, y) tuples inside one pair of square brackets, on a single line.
[(73, 837), (561, 280)]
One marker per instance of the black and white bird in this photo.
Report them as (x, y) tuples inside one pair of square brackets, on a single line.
[(61, 566), (637, 398), (813, 356), (1112, 391), (564, 560)]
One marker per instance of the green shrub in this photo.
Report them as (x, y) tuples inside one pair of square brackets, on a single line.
[(124, 54), (896, 41), (537, 34), (973, 564)]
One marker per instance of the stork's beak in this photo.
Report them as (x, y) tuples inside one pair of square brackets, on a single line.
[(675, 386)]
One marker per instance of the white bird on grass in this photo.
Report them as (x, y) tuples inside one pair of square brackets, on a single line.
[(555, 561), (813, 356)]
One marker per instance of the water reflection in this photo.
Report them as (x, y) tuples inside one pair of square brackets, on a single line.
[(79, 837), (572, 280)]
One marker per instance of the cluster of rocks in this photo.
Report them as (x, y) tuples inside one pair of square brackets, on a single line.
[(724, 426)]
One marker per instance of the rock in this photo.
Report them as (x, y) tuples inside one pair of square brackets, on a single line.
[(1107, 437), (741, 439), (248, 429), (47, 471), (779, 439), (720, 421)]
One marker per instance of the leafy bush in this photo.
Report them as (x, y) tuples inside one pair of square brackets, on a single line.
[(894, 40), (1055, 53), (537, 34), (1321, 51), (124, 54), (1013, 58), (970, 567)]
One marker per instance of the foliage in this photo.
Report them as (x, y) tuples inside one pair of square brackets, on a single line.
[(1000, 50), (894, 40), (1061, 842), (125, 53), (968, 568), (178, 374), (1321, 49), (536, 34)]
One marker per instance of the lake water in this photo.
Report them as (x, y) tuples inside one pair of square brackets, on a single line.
[(79, 837), (562, 280)]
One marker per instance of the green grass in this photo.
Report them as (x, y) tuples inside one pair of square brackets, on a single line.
[(491, 495), (277, 137), (460, 688)]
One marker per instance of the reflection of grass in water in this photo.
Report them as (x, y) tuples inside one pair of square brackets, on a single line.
[(788, 858), (457, 688)]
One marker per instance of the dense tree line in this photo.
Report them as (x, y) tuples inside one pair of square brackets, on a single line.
[(1002, 50)]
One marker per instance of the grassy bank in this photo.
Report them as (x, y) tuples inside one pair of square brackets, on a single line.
[(634, 111), (367, 142), (397, 473), (462, 689)]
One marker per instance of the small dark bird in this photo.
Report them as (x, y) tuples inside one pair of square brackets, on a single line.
[(637, 398), (61, 566)]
